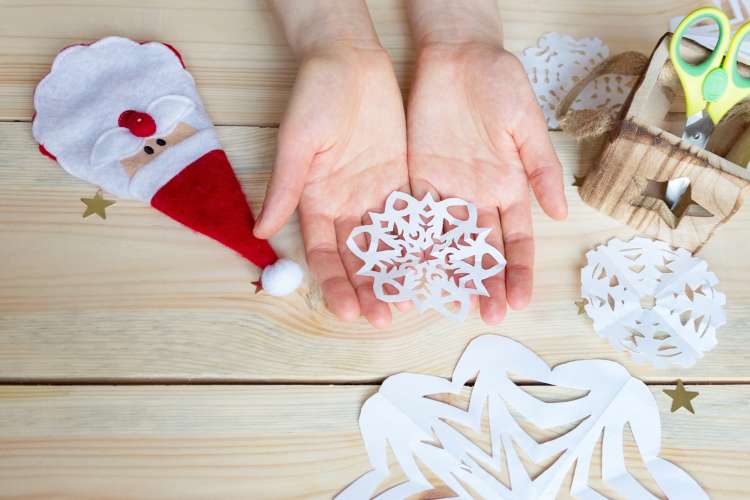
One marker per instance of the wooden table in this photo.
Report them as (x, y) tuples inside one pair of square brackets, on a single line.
[(136, 363)]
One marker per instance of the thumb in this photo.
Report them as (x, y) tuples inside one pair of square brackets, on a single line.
[(541, 163), (293, 158)]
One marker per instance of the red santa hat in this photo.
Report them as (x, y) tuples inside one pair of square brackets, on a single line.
[(127, 117)]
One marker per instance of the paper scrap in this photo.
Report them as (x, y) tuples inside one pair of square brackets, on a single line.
[(429, 252), (421, 431), (559, 62), (653, 301)]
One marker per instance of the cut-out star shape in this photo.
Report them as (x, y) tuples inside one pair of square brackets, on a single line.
[(681, 397), (677, 194), (96, 205)]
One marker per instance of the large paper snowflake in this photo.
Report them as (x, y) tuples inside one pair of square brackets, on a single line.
[(509, 443), (559, 62), (425, 251), (653, 301)]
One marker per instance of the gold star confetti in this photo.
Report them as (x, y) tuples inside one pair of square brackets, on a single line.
[(258, 286), (581, 306), (681, 398), (96, 205), (578, 181)]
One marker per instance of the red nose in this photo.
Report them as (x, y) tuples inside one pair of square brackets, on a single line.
[(139, 124)]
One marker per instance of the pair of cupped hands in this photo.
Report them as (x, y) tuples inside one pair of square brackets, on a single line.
[(471, 129)]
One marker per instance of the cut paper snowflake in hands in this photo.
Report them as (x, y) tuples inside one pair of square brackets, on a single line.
[(653, 301), (559, 62), (429, 252), (413, 415)]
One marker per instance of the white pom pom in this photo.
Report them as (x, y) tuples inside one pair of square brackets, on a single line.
[(281, 278)]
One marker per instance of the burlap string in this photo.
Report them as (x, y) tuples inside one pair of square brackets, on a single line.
[(589, 123)]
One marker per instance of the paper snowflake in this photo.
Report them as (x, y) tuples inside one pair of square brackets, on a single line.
[(559, 62), (429, 252), (653, 301), (482, 441)]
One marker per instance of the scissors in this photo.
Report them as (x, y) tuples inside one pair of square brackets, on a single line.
[(713, 86)]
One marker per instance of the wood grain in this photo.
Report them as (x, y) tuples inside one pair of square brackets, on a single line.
[(239, 57), (137, 297), (272, 442), (641, 151)]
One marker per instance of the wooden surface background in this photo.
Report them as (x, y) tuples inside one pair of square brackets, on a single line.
[(136, 363)]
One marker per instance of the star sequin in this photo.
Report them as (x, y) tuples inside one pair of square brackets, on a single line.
[(681, 398), (97, 205), (581, 304)]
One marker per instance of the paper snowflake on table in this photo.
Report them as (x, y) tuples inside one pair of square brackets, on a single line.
[(483, 440), (425, 251), (653, 301), (559, 62)]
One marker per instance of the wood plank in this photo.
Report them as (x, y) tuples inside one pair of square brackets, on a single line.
[(137, 297), (185, 442), (239, 57)]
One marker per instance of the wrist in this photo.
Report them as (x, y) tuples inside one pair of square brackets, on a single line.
[(314, 27), (446, 23)]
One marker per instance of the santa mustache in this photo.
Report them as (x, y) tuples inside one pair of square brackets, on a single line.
[(135, 127)]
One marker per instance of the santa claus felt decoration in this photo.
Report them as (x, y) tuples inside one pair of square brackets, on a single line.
[(127, 117)]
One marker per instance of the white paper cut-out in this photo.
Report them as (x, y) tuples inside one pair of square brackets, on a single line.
[(420, 430), (559, 62), (425, 252), (656, 302), (707, 33)]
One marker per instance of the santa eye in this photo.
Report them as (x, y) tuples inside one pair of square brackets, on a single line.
[(161, 142), (149, 150)]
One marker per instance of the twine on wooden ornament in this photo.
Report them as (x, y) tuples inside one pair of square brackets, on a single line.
[(589, 123)]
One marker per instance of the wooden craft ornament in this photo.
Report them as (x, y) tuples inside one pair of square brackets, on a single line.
[(644, 152)]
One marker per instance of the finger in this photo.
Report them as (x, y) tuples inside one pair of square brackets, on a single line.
[(325, 264), (293, 158), (377, 312), (492, 309), (420, 187), (404, 306), (541, 164), (519, 250)]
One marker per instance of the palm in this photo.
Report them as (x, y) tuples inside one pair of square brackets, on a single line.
[(359, 129), (475, 132), (343, 138)]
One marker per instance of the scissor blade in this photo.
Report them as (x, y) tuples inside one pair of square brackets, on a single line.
[(698, 129)]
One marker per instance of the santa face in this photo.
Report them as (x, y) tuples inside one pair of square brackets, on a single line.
[(127, 117), (154, 146)]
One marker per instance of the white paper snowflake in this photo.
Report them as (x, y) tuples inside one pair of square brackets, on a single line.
[(429, 252), (653, 301), (484, 441), (559, 62)]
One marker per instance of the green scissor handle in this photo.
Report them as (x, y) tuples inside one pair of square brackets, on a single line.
[(697, 83), (737, 86)]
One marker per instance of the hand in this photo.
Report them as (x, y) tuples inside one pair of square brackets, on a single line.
[(341, 151), (476, 132)]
